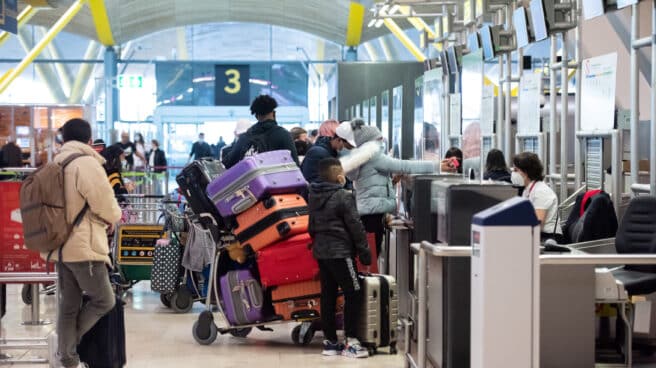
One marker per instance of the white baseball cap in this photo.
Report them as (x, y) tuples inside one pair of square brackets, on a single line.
[(345, 132)]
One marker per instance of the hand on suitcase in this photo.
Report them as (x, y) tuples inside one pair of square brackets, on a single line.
[(365, 257)]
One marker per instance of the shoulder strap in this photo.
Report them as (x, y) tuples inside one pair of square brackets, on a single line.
[(71, 158)]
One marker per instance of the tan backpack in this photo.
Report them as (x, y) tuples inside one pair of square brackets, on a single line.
[(43, 207)]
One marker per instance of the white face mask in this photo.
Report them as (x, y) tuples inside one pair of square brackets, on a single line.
[(517, 179)]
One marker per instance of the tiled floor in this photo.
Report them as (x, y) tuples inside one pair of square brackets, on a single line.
[(158, 338)]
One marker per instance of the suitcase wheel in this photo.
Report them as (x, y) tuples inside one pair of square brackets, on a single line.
[(204, 330), (181, 300), (283, 228), (241, 332), (165, 298), (307, 337), (269, 203)]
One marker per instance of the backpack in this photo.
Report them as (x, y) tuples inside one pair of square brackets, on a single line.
[(43, 208)]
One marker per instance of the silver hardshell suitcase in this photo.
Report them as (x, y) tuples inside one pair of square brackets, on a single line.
[(379, 313)]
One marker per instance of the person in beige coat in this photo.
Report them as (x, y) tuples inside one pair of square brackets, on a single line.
[(85, 255)]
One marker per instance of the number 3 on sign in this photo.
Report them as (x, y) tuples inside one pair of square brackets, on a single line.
[(234, 86)]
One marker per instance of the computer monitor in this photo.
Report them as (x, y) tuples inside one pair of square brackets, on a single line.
[(454, 54), (539, 20), (22, 130), (487, 40), (444, 61), (593, 8), (523, 31), (474, 42)]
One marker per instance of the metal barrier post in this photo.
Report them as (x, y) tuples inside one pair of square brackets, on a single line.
[(423, 306), (36, 309)]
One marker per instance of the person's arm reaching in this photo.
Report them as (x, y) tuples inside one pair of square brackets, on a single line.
[(391, 165), (98, 194)]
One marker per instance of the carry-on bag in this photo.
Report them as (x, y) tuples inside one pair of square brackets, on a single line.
[(379, 313), (271, 220), (240, 187), (287, 262), (104, 345), (243, 299), (167, 266), (193, 181)]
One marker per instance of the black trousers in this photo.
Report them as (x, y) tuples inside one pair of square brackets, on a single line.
[(374, 224), (335, 274)]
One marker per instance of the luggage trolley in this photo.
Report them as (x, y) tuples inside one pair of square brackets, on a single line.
[(205, 330), (134, 239)]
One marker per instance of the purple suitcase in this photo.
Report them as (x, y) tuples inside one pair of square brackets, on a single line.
[(242, 298), (240, 187)]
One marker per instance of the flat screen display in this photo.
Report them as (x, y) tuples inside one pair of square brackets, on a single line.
[(474, 42), (539, 20), (454, 56), (489, 52), (444, 60), (593, 9), (520, 21), (22, 130)]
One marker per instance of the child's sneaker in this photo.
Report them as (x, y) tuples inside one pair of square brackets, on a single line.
[(353, 349), (332, 348)]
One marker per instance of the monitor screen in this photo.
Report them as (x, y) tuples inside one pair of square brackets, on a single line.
[(520, 21), (22, 130), (454, 55), (539, 20), (444, 60), (489, 51), (473, 42)]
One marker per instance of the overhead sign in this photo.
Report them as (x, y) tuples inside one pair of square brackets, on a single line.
[(129, 81), (598, 93), (530, 90), (8, 15), (232, 85)]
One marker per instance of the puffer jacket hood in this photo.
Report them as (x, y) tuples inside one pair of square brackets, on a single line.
[(86, 183), (321, 192), (320, 150)]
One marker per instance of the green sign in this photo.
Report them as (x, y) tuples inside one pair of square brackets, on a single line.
[(130, 81)]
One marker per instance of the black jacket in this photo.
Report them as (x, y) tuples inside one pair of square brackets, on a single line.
[(599, 220), (200, 150), (310, 166), (12, 156), (272, 136), (497, 175), (160, 160), (335, 223)]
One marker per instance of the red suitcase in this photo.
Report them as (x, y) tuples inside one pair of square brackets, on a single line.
[(289, 261), (272, 220)]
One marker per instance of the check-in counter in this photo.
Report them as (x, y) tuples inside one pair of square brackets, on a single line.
[(567, 300)]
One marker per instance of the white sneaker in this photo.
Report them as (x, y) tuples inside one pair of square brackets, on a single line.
[(353, 349)]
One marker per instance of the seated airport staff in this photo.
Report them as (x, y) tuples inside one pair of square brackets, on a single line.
[(528, 173), (371, 171), (495, 167), (452, 162)]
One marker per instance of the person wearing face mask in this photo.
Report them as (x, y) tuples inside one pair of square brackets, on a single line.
[(528, 172), (266, 135), (371, 171), (327, 145), (114, 161)]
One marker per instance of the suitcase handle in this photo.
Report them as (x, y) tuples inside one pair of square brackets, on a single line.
[(246, 201), (250, 294)]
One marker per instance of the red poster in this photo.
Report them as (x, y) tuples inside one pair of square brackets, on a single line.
[(14, 257)]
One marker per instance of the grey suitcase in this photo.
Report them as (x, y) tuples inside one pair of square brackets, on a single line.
[(379, 313)]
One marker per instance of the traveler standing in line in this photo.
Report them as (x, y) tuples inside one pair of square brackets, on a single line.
[(114, 161), (12, 155), (156, 158), (130, 150), (338, 237), (85, 255), (495, 167), (266, 135), (200, 148), (240, 128), (371, 171), (140, 145), (452, 162), (299, 134), (528, 172), (326, 145), (219, 147)]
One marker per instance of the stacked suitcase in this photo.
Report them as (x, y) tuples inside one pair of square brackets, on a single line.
[(258, 200)]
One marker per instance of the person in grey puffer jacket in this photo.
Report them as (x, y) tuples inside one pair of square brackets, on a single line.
[(371, 171)]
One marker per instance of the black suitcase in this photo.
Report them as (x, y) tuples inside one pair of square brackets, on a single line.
[(104, 345), (193, 181)]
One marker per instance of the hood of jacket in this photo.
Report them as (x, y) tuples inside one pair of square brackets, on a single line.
[(361, 155), (324, 142), (321, 193), (262, 127)]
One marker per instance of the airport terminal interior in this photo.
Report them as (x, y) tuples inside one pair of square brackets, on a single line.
[(455, 183)]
